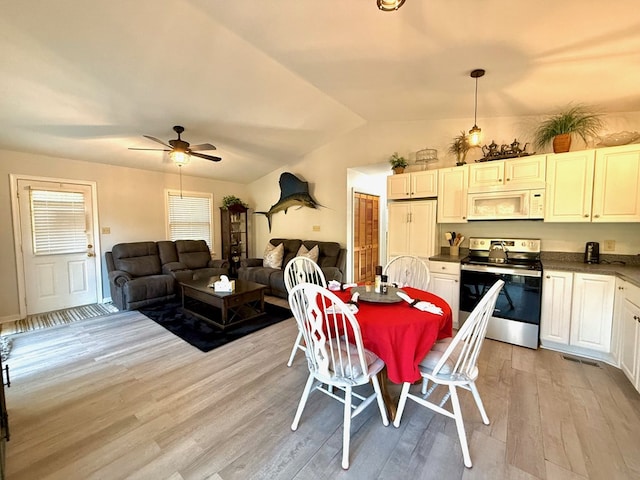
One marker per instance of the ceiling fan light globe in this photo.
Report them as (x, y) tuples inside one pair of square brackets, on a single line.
[(389, 5), (179, 158)]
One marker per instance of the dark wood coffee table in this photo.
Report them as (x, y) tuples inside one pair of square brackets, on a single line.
[(244, 303)]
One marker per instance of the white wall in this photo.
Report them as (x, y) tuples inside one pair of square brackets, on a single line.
[(556, 237), (326, 171), (130, 202)]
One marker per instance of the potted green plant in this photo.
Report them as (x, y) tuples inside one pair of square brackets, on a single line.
[(233, 203), (573, 120), (459, 147), (398, 163)]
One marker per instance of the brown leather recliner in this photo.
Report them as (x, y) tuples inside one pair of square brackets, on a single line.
[(135, 276), (144, 273), (190, 260)]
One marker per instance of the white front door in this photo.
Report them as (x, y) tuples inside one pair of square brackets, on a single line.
[(56, 223)]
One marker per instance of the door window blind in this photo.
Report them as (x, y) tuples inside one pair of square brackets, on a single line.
[(59, 222), (190, 217)]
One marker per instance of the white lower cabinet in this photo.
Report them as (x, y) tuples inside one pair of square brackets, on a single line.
[(577, 313), (445, 283), (555, 315), (628, 318)]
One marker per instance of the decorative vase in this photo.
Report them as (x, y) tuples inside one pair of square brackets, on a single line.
[(562, 143), (398, 170)]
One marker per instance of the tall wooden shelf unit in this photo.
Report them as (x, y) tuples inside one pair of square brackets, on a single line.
[(235, 228)]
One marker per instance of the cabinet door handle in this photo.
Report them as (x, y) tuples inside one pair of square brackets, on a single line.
[(586, 215), (548, 276), (508, 179), (597, 216)]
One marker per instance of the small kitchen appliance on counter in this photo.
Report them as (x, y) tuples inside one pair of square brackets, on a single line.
[(592, 252)]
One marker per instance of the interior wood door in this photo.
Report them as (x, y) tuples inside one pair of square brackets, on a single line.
[(366, 235)]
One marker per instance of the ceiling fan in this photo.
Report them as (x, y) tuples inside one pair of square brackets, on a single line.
[(179, 150)]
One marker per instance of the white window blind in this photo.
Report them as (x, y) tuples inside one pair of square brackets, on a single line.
[(190, 217), (59, 222)]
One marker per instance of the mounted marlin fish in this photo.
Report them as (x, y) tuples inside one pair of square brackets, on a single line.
[(293, 193)]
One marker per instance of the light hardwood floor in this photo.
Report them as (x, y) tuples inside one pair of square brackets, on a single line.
[(120, 397)]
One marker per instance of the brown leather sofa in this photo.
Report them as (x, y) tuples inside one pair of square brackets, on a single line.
[(331, 259), (144, 273)]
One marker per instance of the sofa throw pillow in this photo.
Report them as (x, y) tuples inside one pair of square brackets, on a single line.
[(272, 257), (313, 254)]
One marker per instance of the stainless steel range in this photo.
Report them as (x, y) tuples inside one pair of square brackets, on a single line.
[(516, 318)]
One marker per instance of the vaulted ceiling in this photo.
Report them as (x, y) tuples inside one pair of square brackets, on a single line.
[(268, 82)]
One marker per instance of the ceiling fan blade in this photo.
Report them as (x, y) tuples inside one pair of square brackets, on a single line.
[(206, 157), (156, 140), (154, 149), (202, 146)]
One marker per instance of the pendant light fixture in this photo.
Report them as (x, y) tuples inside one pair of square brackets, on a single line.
[(390, 5), (474, 133)]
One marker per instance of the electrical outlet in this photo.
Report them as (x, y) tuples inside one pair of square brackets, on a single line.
[(609, 245), (106, 230), (316, 228)]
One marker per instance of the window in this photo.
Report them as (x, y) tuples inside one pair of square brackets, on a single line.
[(189, 216), (58, 221)]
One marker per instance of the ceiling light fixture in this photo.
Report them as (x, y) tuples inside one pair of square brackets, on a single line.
[(180, 158), (474, 133), (390, 5)]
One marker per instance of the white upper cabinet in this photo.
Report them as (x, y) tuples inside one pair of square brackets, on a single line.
[(452, 194), (569, 187), (616, 186), (594, 185), (514, 174), (412, 185)]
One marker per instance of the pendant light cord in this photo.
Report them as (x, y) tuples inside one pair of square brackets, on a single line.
[(475, 110)]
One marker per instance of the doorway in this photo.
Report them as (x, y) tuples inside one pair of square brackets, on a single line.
[(55, 237), (366, 235)]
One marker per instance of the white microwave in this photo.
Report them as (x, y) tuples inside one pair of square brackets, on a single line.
[(514, 205)]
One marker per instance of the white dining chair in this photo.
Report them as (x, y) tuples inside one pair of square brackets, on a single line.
[(336, 357), (301, 270), (452, 362), (407, 271)]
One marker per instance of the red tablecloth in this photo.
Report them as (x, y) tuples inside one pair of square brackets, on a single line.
[(400, 334)]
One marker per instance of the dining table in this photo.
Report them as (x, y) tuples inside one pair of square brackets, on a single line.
[(398, 332)]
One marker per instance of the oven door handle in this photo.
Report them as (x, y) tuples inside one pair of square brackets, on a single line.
[(502, 270)]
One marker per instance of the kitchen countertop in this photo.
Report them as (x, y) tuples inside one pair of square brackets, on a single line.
[(447, 258), (572, 262), (630, 273)]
